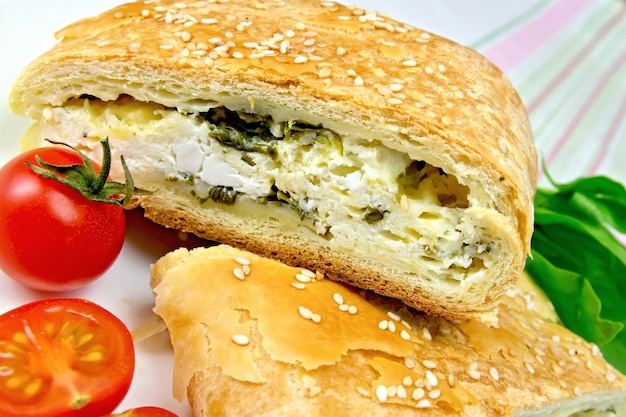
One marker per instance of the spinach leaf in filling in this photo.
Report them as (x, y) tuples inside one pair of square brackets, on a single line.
[(219, 194), (249, 132), (242, 131)]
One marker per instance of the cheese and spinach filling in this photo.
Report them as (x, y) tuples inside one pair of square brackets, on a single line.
[(306, 167), (349, 190)]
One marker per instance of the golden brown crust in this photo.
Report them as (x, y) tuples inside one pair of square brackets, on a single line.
[(349, 361), (354, 71)]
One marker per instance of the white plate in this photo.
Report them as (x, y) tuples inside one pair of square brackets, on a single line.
[(27, 28)]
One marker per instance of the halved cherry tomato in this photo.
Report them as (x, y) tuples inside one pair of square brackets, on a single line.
[(63, 357), (144, 412), (52, 238)]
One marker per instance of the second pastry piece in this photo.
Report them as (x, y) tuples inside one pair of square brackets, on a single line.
[(254, 337)]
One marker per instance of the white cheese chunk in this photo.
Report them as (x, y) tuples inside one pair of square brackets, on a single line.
[(215, 171), (189, 156)]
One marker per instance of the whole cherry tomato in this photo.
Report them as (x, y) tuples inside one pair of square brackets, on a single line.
[(63, 357), (52, 237)]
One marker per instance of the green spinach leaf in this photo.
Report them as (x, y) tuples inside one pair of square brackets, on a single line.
[(580, 264)]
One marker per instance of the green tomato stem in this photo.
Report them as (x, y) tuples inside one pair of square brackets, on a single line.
[(84, 179)]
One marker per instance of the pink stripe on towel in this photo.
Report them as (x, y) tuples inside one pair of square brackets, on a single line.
[(610, 136), (562, 140), (577, 59), (512, 50)]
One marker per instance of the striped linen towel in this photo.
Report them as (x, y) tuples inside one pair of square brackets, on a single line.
[(567, 58)]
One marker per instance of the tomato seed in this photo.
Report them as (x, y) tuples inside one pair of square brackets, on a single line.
[(93, 356), (33, 388), (84, 339), (16, 381), (20, 338), (6, 370)]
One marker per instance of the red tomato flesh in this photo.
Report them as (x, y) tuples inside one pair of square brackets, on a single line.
[(63, 357), (51, 237)]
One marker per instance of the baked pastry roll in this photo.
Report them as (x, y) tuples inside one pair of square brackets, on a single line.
[(315, 133), (254, 337)]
